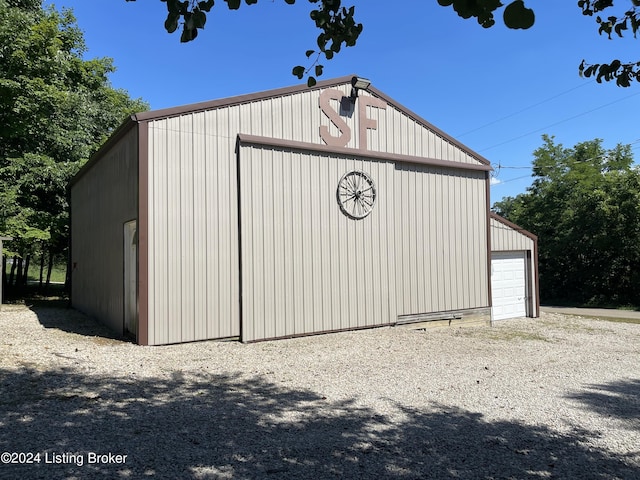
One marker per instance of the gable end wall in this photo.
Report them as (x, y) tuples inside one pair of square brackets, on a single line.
[(102, 200)]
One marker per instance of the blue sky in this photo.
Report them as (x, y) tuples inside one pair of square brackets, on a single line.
[(495, 90)]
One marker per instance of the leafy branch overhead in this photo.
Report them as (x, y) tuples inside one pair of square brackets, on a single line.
[(339, 28), (623, 73), (336, 23), (515, 15)]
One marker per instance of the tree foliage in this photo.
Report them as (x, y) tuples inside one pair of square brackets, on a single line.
[(339, 28), (584, 205), (55, 110)]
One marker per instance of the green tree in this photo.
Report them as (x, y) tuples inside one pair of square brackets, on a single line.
[(55, 110), (584, 205), (339, 28)]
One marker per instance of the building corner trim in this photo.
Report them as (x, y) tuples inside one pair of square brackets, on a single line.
[(143, 234)]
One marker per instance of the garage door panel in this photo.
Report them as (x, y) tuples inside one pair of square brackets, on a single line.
[(508, 285)]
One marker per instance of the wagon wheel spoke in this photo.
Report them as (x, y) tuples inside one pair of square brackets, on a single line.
[(356, 194)]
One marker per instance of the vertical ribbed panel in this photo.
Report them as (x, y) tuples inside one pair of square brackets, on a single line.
[(505, 238), (398, 133), (306, 267), (441, 228), (200, 221), (193, 222), (102, 200), (193, 241)]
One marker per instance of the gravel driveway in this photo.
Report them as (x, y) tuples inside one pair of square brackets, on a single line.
[(555, 397)]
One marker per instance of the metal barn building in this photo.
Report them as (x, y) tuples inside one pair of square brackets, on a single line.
[(288, 212)]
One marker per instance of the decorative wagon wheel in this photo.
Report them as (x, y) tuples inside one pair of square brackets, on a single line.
[(356, 194)]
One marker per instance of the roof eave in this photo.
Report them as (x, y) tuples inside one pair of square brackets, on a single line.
[(230, 101), (119, 132)]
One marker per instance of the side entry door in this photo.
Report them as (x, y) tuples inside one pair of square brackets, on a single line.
[(131, 278)]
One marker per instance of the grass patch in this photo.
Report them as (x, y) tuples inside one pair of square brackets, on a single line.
[(635, 321), (505, 334), (58, 273), (571, 326), (510, 335), (577, 316), (590, 304)]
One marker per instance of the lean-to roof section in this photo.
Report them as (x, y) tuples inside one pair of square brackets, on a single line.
[(506, 235)]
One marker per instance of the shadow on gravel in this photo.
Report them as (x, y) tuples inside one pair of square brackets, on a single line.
[(619, 399), (72, 321), (248, 428)]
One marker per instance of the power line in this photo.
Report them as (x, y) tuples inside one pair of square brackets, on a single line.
[(510, 180), (524, 109), (500, 167), (558, 123)]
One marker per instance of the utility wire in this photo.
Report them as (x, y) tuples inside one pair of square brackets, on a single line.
[(500, 167), (558, 123), (510, 180), (524, 109)]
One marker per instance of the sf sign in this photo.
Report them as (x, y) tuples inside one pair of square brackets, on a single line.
[(346, 104)]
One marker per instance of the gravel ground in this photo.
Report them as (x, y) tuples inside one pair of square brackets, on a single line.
[(554, 397)]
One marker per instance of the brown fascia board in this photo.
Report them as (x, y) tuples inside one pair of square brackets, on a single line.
[(513, 226), (124, 128), (240, 99), (246, 139), (423, 122), (151, 115), (226, 102)]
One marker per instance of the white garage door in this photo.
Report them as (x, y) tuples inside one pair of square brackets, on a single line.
[(508, 285)]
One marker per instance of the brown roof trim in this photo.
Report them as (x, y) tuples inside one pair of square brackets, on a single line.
[(115, 137), (419, 119), (512, 225), (315, 147), (227, 102), (142, 335), (487, 196), (537, 277)]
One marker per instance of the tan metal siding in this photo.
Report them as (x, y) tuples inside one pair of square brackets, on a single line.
[(193, 245), (199, 219), (308, 268), (193, 223), (102, 200), (299, 117), (398, 133), (504, 238), (193, 239), (441, 233)]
